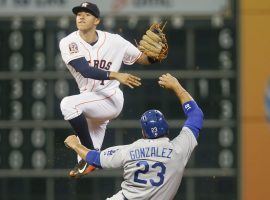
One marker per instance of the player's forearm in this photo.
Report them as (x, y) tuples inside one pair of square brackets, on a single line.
[(194, 114), (92, 157), (143, 60), (81, 65), (182, 94), (113, 75), (81, 150), (192, 111)]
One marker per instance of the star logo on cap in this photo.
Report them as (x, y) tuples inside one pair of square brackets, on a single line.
[(84, 4)]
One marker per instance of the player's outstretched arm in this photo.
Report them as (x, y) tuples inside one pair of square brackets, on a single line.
[(194, 114), (126, 79), (92, 157), (73, 142), (82, 66)]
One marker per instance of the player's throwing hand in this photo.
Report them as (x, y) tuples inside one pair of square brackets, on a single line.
[(126, 79)]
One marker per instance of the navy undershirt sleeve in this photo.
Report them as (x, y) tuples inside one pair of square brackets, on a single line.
[(81, 65), (194, 115)]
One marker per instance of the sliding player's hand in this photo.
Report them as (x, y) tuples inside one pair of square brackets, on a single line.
[(71, 141), (168, 81)]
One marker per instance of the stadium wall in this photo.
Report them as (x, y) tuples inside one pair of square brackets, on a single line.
[(255, 77)]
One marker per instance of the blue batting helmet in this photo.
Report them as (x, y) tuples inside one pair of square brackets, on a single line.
[(154, 124)]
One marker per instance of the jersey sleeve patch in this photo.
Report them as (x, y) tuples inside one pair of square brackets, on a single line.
[(73, 48)]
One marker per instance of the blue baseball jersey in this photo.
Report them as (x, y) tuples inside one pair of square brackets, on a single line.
[(153, 168)]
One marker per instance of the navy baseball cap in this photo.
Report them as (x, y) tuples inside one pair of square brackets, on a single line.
[(87, 7)]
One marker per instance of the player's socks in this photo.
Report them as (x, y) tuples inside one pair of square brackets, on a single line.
[(80, 126)]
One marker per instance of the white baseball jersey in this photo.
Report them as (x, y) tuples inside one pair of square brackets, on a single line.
[(107, 53), (153, 168), (100, 101)]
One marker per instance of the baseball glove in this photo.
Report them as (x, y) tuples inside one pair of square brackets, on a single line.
[(154, 43)]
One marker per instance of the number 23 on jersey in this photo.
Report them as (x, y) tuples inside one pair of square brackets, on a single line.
[(158, 166)]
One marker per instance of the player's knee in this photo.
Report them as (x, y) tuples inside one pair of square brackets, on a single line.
[(66, 106)]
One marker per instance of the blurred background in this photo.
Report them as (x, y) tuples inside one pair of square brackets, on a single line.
[(219, 50)]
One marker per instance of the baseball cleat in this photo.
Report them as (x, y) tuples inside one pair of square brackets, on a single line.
[(81, 169)]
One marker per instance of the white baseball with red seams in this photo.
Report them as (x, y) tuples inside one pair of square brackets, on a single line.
[(100, 101)]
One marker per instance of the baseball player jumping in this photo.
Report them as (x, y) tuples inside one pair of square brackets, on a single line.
[(94, 58), (153, 166)]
